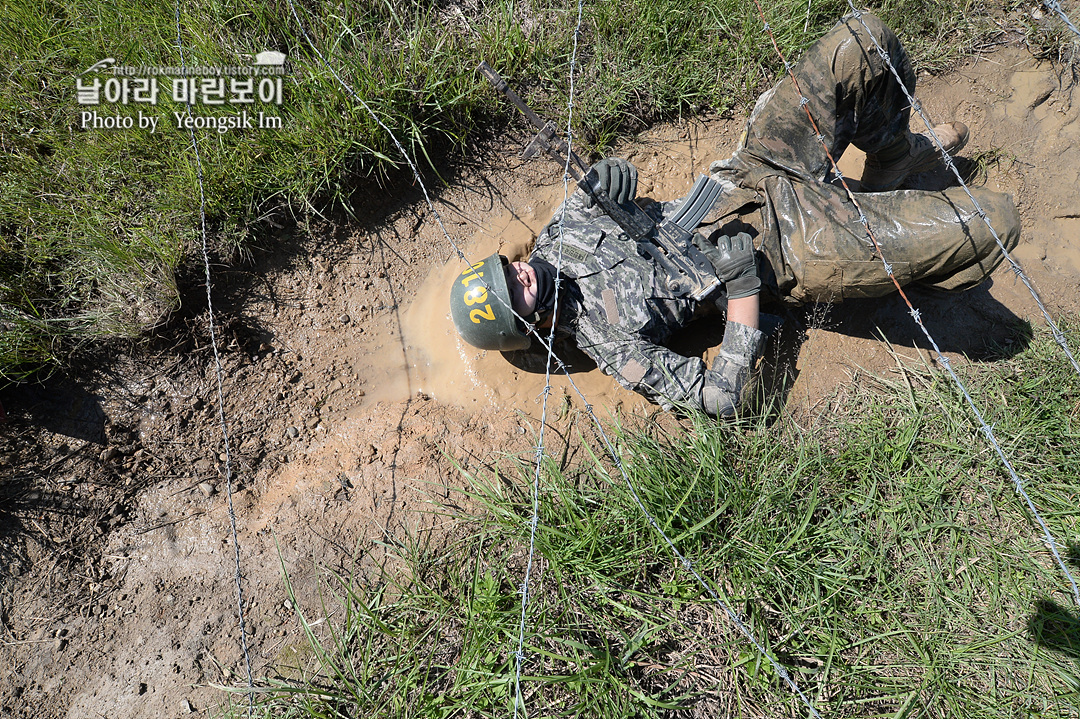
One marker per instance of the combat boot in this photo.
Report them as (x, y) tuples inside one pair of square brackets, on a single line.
[(909, 154)]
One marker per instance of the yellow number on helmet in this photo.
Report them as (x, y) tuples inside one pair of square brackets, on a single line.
[(485, 313), (476, 295)]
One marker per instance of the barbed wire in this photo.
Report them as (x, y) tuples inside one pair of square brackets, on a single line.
[(986, 429), (519, 655), (1055, 7), (219, 374), (1059, 336), (547, 344)]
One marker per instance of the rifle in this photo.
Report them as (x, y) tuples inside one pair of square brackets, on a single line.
[(670, 244)]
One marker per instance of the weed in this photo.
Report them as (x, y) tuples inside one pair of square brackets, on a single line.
[(883, 559), (94, 222)]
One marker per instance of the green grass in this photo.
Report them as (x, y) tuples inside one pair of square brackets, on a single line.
[(95, 223), (880, 555)]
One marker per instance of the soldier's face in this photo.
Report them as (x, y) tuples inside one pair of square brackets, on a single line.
[(521, 281)]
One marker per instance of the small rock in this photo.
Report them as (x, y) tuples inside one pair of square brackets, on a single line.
[(208, 489), (251, 446), (293, 432), (295, 376), (344, 319), (187, 706), (359, 393)]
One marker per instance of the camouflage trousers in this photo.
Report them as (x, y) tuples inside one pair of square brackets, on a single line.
[(812, 236)]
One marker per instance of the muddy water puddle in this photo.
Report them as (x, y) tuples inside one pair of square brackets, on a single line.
[(426, 356), (444, 367)]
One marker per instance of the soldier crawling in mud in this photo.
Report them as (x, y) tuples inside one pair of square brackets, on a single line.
[(804, 241)]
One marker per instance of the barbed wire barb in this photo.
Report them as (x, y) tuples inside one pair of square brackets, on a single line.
[(519, 655), (547, 344), (1058, 335), (219, 374), (917, 317), (1055, 7)]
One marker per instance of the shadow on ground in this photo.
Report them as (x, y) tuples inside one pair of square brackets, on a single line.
[(1056, 628)]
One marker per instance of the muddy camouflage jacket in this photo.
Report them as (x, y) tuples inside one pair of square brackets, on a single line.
[(621, 314), (813, 244)]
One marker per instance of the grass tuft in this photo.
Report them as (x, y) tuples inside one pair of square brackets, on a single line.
[(883, 559), (92, 220)]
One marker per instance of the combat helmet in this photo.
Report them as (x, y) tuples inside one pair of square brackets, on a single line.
[(483, 320)]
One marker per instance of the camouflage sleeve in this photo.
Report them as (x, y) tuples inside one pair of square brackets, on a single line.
[(576, 217), (661, 375), (730, 371)]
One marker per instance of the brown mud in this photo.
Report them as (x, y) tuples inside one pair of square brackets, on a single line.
[(352, 408)]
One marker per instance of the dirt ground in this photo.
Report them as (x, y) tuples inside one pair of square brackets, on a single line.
[(350, 405)]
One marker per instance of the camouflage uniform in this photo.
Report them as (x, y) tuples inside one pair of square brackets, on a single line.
[(811, 235), (618, 308), (621, 313)]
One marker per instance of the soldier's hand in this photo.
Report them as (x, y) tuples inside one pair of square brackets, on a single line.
[(734, 262), (618, 180)]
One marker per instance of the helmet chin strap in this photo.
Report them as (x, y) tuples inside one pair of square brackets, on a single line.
[(541, 319)]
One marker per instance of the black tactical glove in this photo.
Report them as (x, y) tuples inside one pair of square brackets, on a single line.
[(618, 180), (734, 262)]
